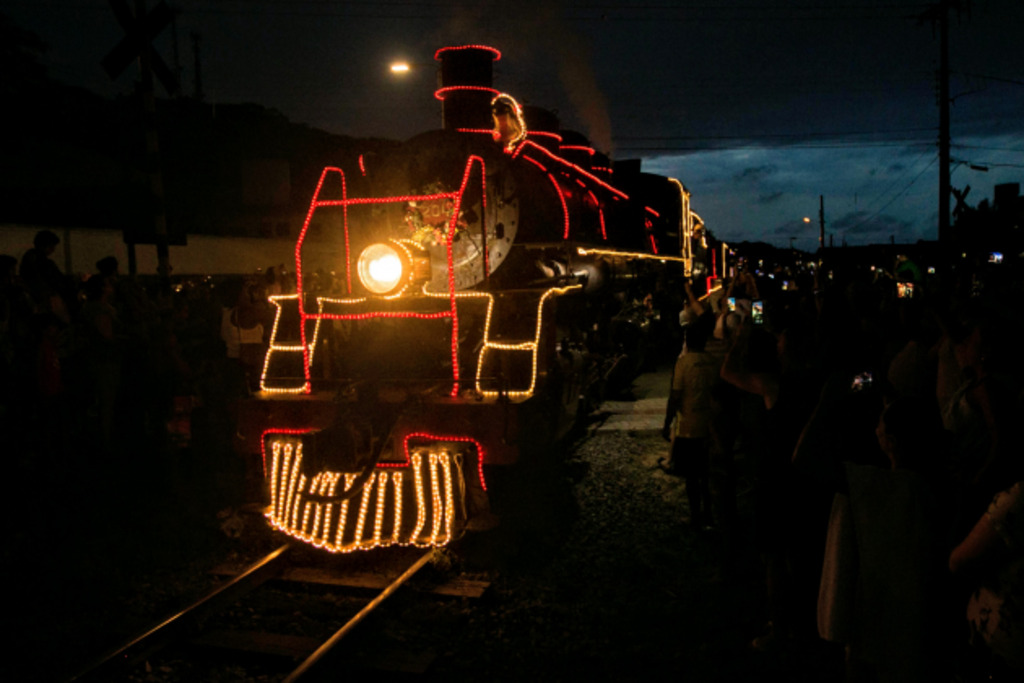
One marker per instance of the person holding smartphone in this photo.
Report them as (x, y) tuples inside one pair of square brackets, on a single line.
[(773, 369), (744, 286)]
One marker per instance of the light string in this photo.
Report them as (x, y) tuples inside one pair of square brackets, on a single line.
[(298, 508)]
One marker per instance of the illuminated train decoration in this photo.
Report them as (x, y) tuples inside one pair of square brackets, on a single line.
[(478, 281)]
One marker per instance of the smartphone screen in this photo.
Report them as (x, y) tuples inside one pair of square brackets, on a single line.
[(757, 312), (905, 290), (732, 303), (862, 381)]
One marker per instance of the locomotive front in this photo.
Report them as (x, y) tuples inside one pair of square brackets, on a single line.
[(455, 334)]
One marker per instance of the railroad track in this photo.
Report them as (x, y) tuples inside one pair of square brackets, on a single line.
[(190, 627)]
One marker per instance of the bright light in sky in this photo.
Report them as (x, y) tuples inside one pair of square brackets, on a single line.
[(400, 68)]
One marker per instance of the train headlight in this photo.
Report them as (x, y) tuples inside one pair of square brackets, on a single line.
[(388, 268), (381, 268)]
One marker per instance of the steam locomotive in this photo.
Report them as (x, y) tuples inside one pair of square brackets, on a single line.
[(485, 274)]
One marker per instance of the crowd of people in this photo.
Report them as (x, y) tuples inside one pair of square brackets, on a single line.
[(869, 416), (106, 366), (872, 426)]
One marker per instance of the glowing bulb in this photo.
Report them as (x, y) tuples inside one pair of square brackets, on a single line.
[(400, 68), (380, 268), (385, 268)]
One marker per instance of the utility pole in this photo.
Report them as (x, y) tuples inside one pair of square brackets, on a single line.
[(944, 235), (152, 163), (821, 222), (196, 40), (140, 30)]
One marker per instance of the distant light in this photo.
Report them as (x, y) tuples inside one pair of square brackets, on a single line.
[(400, 68), (806, 219)]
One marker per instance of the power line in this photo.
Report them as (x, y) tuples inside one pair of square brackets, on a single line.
[(895, 197), (991, 78), (752, 146), (902, 176), (777, 135), (990, 149)]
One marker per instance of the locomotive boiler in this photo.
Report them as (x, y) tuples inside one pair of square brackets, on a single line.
[(461, 298)]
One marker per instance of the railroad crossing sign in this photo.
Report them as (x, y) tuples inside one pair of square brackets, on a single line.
[(140, 30)]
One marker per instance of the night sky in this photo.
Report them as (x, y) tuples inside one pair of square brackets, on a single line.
[(758, 106)]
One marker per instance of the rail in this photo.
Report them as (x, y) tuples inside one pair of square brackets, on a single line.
[(185, 621), (186, 624)]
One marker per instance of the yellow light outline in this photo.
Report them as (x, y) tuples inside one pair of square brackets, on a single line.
[(528, 345), (631, 254), (289, 491)]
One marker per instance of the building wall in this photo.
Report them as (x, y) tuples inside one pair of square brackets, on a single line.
[(81, 248)]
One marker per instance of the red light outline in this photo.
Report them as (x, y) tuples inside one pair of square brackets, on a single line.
[(616, 193), (538, 164), (441, 92), (452, 48), (480, 453), (491, 132), (558, 191), (600, 214), (579, 148), (519, 151), (565, 207), (483, 219), (650, 228), (405, 447), (279, 430), (544, 134), (577, 168), (381, 314), (452, 312)]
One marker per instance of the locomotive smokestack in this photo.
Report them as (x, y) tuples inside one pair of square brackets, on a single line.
[(465, 85)]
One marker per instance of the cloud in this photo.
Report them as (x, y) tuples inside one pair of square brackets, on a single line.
[(770, 198), (862, 224), (755, 174), (795, 228)]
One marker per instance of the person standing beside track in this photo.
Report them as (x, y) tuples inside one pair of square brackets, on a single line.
[(688, 415), (49, 289)]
